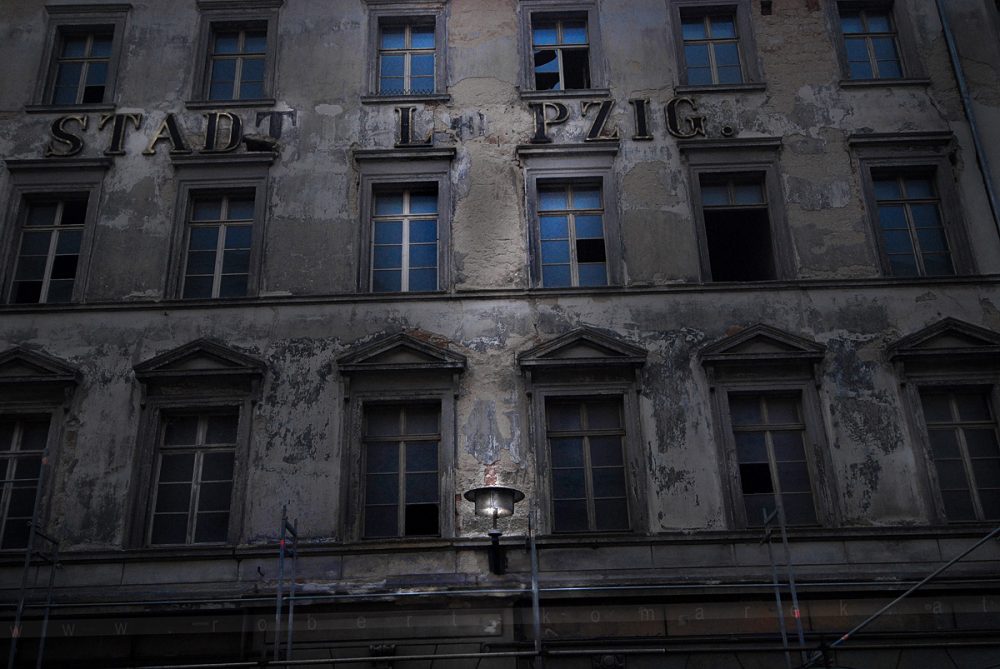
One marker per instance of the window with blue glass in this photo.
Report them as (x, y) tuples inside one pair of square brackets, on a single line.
[(82, 65), (406, 58), (219, 246), (571, 225), (561, 53), (910, 226), (237, 63), (405, 240), (871, 44), (711, 49), (48, 252)]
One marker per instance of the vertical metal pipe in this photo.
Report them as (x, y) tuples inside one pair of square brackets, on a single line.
[(796, 611), (970, 115), (281, 579), (536, 610), (777, 588), (291, 589), (48, 606)]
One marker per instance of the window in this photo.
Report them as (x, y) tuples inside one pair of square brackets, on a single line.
[(769, 433), (219, 226), (770, 427), (711, 49), (561, 53), (585, 440), (405, 219), (237, 61), (50, 232), (716, 45), (399, 456), (190, 465), (405, 242), (23, 441), (962, 430), (911, 230), (562, 49), (571, 221), (406, 55), (219, 245), (81, 58), (737, 227), (582, 391), (82, 67), (574, 234), (915, 213), (194, 478), (870, 44), (48, 250), (401, 492), (236, 53), (739, 212)]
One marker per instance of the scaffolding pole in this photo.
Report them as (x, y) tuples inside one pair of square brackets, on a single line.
[(286, 530), (768, 517)]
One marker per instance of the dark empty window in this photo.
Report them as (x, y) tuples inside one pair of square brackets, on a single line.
[(49, 251), (237, 60), (561, 53), (194, 479), (406, 56), (769, 432), (405, 240), (81, 73), (711, 49), (219, 242), (571, 222), (22, 447), (962, 428), (911, 230), (401, 486), (870, 44), (585, 440), (737, 228)]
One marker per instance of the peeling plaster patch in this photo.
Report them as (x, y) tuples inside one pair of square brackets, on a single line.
[(819, 106), (865, 476), (869, 422), (482, 432), (514, 425), (925, 297), (666, 478), (813, 196), (329, 110)]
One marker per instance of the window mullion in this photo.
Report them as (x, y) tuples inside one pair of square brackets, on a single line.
[(401, 489), (51, 255), (574, 269), (195, 494), (911, 230), (970, 474), (404, 262)]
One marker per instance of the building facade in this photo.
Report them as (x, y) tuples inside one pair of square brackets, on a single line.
[(690, 274)]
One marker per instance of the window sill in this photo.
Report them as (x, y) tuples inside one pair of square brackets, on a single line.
[(396, 99), (566, 95), (881, 83), (68, 109), (754, 87), (229, 104)]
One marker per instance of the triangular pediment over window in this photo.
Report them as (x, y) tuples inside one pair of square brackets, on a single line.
[(198, 359), (22, 366), (398, 353), (762, 344), (949, 340), (583, 347)]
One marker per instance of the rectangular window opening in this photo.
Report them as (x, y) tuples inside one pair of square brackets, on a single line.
[(588, 474), (401, 449), (237, 62), (560, 52), (572, 234), (407, 54), (22, 447), (870, 43), (219, 246), (711, 49), (910, 224), (405, 239), (49, 250), (737, 229), (82, 65)]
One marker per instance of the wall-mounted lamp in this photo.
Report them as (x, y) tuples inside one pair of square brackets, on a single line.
[(495, 502)]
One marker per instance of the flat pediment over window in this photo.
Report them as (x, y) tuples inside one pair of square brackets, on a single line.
[(198, 359), (400, 352), (583, 347), (949, 342), (19, 365), (762, 343)]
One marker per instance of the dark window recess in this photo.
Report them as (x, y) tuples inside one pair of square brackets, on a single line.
[(561, 54), (49, 251), (22, 447), (737, 228), (739, 245), (401, 485)]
